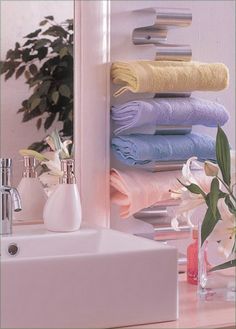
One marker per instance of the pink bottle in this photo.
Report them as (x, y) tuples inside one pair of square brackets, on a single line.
[(192, 259)]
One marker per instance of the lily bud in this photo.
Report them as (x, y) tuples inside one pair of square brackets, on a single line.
[(211, 169)]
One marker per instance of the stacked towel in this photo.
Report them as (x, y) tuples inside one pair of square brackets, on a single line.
[(142, 149), (169, 76), (133, 190), (144, 116)]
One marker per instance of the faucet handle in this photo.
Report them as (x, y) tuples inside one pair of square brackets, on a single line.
[(29, 167), (5, 171), (5, 162)]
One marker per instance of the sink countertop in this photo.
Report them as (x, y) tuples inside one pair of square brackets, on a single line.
[(195, 314)]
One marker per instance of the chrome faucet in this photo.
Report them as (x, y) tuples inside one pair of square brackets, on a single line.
[(10, 198)]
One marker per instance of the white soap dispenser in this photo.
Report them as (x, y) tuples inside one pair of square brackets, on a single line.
[(33, 197), (62, 212)]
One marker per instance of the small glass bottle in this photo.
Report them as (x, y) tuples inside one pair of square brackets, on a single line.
[(192, 259)]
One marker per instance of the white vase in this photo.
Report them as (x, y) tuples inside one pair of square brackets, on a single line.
[(62, 212)]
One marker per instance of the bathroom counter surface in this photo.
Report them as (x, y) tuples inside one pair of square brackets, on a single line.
[(195, 314)]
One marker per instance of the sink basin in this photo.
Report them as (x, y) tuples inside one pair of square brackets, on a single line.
[(92, 278)]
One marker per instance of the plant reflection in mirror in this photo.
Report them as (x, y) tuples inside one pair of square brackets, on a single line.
[(216, 189), (46, 60), (50, 161)]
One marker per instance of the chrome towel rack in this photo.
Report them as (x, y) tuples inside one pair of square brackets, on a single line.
[(156, 34)]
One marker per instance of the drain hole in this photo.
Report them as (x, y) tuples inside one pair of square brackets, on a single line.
[(13, 249)]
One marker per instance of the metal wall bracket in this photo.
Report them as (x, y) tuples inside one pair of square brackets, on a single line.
[(167, 18), (149, 35), (171, 52), (164, 19)]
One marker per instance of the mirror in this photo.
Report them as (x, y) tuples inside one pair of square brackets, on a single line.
[(36, 75)]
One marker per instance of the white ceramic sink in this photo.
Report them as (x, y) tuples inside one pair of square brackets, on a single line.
[(92, 278)]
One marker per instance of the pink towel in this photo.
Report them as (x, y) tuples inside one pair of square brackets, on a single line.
[(133, 190)]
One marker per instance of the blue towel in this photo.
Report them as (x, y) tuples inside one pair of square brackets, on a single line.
[(142, 149), (143, 116)]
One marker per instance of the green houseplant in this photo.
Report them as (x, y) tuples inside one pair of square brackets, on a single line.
[(46, 60)]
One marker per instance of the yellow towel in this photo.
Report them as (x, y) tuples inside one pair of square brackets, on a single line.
[(168, 76)]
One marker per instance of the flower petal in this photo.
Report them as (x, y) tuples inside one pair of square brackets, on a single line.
[(226, 246)]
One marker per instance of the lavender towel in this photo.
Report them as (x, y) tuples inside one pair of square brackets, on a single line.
[(142, 149), (143, 116)]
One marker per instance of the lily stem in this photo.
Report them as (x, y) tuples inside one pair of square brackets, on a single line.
[(227, 188)]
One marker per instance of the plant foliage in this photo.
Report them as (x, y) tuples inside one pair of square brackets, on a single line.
[(213, 214), (46, 61)]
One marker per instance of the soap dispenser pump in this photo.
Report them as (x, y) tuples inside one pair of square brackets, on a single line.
[(62, 212), (32, 194)]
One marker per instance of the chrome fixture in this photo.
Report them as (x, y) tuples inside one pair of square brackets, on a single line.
[(67, 167), (172, 52), (156, 34), (10, 198), (149, 35), (13, 249), (29, 167)]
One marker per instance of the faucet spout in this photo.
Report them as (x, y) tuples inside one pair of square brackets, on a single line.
[(9, 197), (15, 196)]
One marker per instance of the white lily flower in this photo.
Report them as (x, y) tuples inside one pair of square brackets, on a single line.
[(54, 164), (211, 169), (190, 201), (225, 230), (50, 142)]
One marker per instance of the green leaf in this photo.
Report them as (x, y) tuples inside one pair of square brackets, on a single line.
[(33, 34), (26, 55), (48, 122), (40, 43), (213, 196), (17, 45), (43, 106), (29, 42), (51, 18), (35, 103), (10, 54), (65, 91), (70, 21), (42, 52), (55, 97), (44, 87), (231, 263), (208, 224), (63, 52), (21, 110), (20, 71), (39, 123), (43, 22), (222, 194), (193, 188), (230, 205), (9, 73), (4, 66), (55, 31), (223, 155), (33, 69)]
